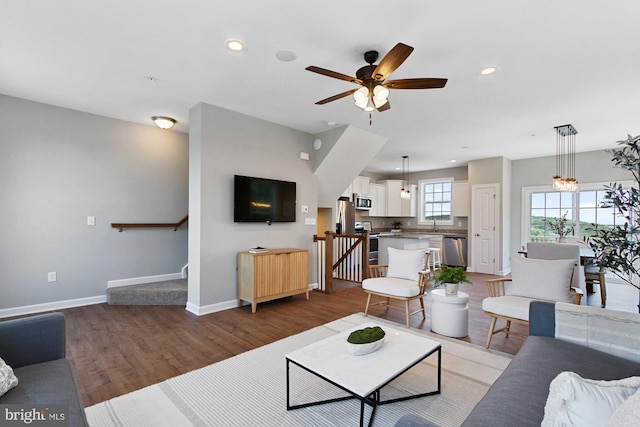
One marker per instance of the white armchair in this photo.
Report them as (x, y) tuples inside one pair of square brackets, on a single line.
[(404, 278), (537, 250), (531, 279)]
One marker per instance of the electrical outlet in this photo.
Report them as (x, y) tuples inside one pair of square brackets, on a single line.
[(52, 276)]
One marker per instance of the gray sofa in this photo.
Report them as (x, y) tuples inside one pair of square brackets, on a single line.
[(518, 396), (35, 348)]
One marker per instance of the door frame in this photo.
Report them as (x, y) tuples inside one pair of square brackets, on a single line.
[(496, 213)]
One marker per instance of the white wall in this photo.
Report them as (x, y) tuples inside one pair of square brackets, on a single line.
[(223, 143), (58, 166)]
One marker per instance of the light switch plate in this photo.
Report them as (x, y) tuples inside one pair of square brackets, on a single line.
[(91, 220)]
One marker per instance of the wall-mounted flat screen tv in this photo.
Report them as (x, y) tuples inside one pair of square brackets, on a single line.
[(263, 200)]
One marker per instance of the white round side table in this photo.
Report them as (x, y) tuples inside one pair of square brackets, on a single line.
[(450, 314)]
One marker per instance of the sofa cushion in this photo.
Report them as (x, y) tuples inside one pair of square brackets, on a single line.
[(577, 401), (7, 378), (508, 305), (518, 396), (542, 279), (405, 264), (392, 286), (48, 383), (627, 414)]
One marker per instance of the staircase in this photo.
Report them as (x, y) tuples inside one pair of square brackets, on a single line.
[(170, 292)]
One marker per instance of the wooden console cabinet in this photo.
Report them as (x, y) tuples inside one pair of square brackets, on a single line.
[(271, 275)]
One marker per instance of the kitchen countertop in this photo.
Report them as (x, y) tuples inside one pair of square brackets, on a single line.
[(409, 235)]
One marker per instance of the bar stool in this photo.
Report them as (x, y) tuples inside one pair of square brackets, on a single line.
[(434, 259), (594, 274)]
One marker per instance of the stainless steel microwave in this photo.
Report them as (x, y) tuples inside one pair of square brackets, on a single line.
[(362, 201)]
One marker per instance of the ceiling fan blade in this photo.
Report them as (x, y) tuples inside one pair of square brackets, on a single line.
[(338, 96), (333, 74), (391, 61), (385, 107), (415, 83)]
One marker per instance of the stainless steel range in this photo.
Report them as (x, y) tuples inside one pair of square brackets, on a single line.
[(373, 240)]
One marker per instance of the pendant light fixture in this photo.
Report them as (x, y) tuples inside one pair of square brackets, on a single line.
[(564, 179), (405, 192)]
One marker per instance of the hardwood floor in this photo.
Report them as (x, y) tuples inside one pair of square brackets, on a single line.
[(118, 349)]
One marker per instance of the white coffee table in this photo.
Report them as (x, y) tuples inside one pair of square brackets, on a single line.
[(364, 376)]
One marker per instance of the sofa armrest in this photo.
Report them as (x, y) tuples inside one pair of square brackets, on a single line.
[(542, 319), (34, 339)]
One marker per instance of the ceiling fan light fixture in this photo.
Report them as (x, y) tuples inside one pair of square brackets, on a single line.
[(370, 105), (361, 94), (380, 92), (163, 122)]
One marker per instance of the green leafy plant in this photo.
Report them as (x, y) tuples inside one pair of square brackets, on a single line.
[(617, 248), (448, 274), (396, 223), (366, 335), (561, 226)]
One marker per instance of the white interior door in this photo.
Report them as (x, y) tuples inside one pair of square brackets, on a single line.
[(484, 233)]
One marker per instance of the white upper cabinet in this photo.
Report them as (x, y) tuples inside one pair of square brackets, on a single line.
[(460, 199), (396, 206), (378, 195)]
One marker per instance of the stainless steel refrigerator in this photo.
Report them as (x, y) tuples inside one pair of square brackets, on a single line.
[(345, 217)]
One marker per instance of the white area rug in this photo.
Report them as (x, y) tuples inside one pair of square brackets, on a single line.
[(250, 389)]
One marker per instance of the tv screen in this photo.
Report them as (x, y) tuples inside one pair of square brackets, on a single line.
[(263, 200)]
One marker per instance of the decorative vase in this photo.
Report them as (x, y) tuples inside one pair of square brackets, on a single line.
[(360, 349), (561, 240), (451, 288)]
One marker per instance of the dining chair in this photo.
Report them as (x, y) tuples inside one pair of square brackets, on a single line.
[(404, 278)]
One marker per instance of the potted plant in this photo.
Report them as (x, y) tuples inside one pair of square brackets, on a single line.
[(561, 226), (617, 247), (396, 224), (450, 278), (366, 340)]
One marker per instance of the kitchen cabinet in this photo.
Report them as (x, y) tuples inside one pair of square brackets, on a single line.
[(266, 276), (378, 195), (396, 205), (460, 199), (360, 185)]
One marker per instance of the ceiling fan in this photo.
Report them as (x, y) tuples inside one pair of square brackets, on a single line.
[(374, 91)]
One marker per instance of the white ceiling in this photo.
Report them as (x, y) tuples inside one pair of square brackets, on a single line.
[(558, 62)]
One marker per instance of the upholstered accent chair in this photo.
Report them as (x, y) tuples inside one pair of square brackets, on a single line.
[(531, 279), (404, 278), (538, 250)]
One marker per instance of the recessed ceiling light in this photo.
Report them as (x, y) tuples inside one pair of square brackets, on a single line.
[(235, 45), (331, 124), (452, 161), (398, 168), (487, 71), (286, 55)]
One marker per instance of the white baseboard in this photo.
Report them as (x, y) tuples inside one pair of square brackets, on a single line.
[(221, 306), (211, 308), (144, 279), (51, 306)]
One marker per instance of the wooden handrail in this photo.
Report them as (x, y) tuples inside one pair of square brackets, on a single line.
[(122, 225)]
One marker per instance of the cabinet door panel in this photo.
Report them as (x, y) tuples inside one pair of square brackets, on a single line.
[(268, 274), (297, 271)]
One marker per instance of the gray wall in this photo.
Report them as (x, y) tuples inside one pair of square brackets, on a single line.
[(58, 166), (223, 143), (591, 167)]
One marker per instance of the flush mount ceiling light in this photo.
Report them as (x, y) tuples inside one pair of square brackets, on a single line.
[(565, 180), (487, 71), (235, 45), (163, 122)]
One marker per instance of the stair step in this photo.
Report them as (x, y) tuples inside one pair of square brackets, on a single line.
[(169, 292)]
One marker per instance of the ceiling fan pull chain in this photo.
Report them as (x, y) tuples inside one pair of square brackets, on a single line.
[(369, 119)]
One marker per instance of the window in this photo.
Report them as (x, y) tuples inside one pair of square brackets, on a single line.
[(435, 201), (584, 208)]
